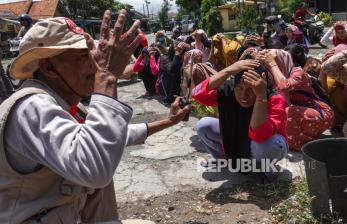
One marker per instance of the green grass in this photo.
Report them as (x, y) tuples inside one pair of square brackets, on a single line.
[(294, 204), (295, 208), (203, 111)]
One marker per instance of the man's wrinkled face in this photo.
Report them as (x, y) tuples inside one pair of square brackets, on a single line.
[(77, 68)]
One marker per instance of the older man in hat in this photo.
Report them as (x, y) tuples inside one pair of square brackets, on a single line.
[(57, 160)]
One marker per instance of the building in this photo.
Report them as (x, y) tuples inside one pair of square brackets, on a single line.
[(338, 8), (230, 11), (37, 9)]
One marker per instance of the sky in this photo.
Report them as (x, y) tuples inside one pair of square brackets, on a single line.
[(154, 6)]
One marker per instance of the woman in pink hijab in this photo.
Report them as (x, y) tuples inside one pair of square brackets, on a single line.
[(296, 36), (202, 43)]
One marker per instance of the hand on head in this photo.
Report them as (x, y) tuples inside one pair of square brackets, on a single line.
[(251, 51), (328, 55), (115, 48), (267, 57), (254, 39), (242, 65), (257, 82), (181, 48)]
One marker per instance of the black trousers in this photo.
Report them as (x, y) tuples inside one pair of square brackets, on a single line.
[(149, 81)]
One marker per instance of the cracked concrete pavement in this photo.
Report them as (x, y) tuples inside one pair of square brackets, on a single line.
[(168, 161)]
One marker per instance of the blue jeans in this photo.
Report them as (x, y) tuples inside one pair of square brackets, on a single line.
[(208, 130)]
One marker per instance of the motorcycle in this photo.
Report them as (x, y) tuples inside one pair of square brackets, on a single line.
[(314, 30), (14, 43)]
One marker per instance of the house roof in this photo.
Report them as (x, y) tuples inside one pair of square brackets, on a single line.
[(16, 8), (37, 9), (43, 9)]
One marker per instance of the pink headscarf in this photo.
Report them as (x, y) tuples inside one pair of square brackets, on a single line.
[(284, 61), (194, 56), (339, 48), (292, 28)]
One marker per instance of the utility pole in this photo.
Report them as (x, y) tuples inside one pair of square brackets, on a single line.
[(147, 3), (143, 6)]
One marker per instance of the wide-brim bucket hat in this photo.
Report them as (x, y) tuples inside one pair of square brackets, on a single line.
[(46, 39)]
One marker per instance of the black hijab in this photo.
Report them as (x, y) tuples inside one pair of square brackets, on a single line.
[(235, 120)]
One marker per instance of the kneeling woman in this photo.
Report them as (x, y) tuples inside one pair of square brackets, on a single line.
[(252, 115), (147, 65)]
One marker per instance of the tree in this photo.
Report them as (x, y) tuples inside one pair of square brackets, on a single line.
[(211, 19), (118, 6), (182, 12), (190, 5), (164, 13), (248, 18), (288, 7), (88, 8)]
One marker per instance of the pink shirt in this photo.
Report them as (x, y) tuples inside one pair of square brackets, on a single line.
[(139, 65)]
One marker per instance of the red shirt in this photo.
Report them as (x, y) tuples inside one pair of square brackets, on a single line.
[(277, 117), (301, 16), (337, 41)]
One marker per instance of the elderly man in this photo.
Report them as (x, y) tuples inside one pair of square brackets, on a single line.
[(57, 162)]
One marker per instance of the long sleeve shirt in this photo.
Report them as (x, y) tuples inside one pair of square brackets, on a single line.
[(327, 39), (276, 114), (139, 65), (40, 132)]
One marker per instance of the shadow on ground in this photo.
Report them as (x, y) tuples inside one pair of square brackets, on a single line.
[(197, 144), (248, 188)]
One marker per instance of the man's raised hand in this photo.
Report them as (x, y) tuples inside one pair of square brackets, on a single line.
[(114, 50)]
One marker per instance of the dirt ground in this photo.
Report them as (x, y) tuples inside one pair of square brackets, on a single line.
[(201, 207)]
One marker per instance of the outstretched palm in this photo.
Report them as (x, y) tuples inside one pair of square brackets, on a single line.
[(114, 49)]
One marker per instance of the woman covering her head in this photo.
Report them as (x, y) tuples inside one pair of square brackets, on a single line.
[(297, 52), (340, 37), (308, 111), (202, 43), (147, 65), (334, 79), (223, 51), (296, 36), (190, 58), (252, 115)]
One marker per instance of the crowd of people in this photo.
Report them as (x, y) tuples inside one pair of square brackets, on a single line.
[(314, 99), (270, 97)]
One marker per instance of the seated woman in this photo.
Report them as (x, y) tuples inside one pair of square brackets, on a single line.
[(223, 51), (147, 66), (296, 36), (308, 114), (336, 88), (190, 58), (340, 36), (252, 115), (202, 43)]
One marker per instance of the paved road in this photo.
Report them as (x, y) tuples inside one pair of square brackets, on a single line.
[(169, 160)]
